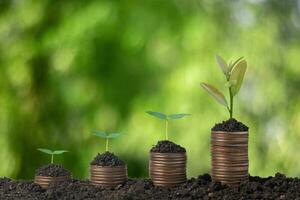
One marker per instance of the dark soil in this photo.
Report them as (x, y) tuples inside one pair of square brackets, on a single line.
[(52, 170), (231, 125), (278, 187), (107, 159), (166, 146)]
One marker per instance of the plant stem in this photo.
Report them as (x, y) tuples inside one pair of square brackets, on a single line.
[(52, 158), (231, 103), (106, 148), (167, 124)]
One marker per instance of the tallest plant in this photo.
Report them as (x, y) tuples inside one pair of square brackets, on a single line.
[(229, 139), (234, 73)]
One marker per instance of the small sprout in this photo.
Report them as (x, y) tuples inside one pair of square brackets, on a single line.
[(106, 136), (234, 73), (52, 153), (166, 118)]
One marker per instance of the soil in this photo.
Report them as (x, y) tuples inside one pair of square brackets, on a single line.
[(166, 146), (52, 170), (278, 187), (107, 159), (231, 125)]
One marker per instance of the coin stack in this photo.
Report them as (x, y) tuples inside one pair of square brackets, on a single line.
[(229, 157), (45, 181), (108, 176), (167, 169)]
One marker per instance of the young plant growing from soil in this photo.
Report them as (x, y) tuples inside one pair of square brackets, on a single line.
[(230, 133), (167, 156), (51, 173), (52, 153), (107, 136), (234, 73), (107, 169), (167, 118)]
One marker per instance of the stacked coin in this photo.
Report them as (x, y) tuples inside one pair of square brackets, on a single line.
[(229, 157), (167, 169), (108, 176), (45, 181)]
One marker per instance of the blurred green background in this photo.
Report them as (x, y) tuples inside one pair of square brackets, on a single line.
[(70, 67)]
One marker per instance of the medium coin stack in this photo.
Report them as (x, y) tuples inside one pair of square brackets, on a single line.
[(229, 157), (167, 169), (45, 181), (108, 176)]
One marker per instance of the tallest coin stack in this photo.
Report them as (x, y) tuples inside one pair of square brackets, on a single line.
[(229, 157)]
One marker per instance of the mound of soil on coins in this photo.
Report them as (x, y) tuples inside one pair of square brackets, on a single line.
[(202, 187), (107, 159), (166, 146), (52, 170), (231, 125)]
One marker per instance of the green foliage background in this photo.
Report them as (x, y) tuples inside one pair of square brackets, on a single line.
[(70, 67)]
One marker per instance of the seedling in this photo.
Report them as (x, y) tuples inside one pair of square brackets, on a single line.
[(52, 153), (234, 73), (106, 136), (166, 118)]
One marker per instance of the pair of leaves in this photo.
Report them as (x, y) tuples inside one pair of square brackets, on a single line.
[(235, 74), (226, 68), (106, 135), (50, 152), (167, 117)]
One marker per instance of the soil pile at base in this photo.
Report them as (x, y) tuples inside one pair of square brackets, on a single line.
[(52, 170), (278, 187), (231, 125), (166, 146), (107, 159)]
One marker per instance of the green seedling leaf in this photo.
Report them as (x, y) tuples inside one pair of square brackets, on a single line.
[(214, 92), (237, 75), (47, 151), (167, 118), (106, 136), (59, 152), (157, 114), (52, 153), (113, 135), (223, 65), (101, 134), (232, 65), (178, 116)]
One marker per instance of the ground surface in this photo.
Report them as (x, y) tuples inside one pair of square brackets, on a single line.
[(278, 187)]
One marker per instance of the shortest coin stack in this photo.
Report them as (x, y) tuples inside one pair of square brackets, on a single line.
[(51, 173), (167, 169), (108, 176), (45, 181), (229, 157)]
